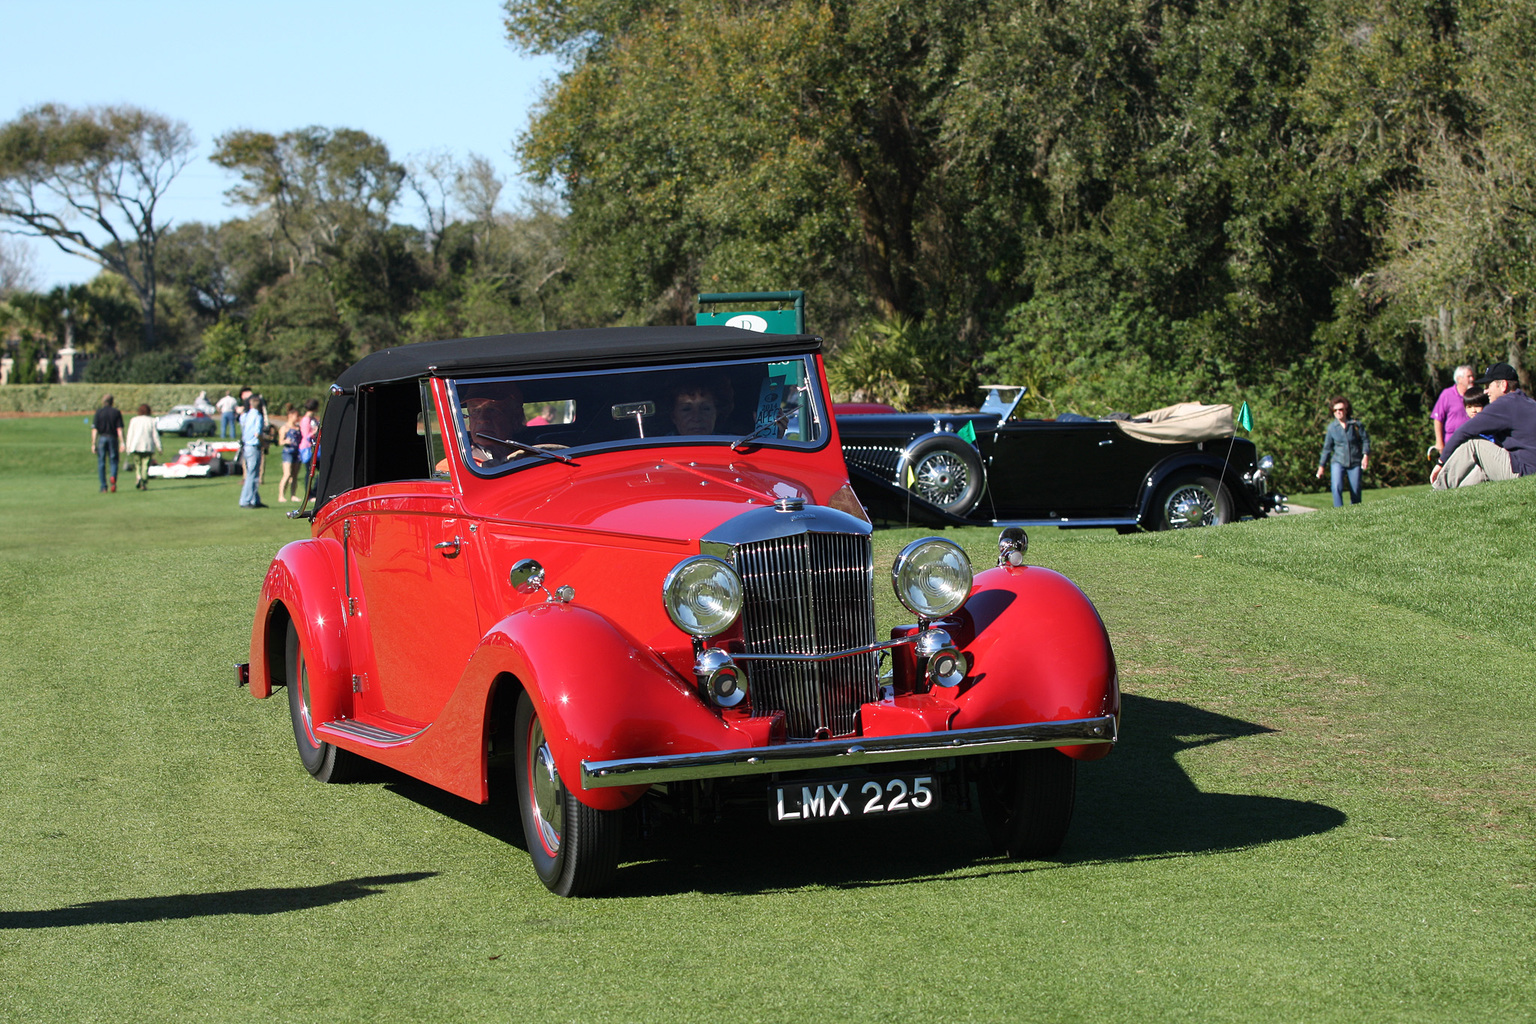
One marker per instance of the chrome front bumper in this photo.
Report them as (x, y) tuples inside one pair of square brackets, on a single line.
[(847, 752)]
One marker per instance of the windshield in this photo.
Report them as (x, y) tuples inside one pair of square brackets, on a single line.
[(505, 423)]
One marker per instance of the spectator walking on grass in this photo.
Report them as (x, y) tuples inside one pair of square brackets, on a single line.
[(1346, 452), (290, 436), (1499, 443), (252, 426), (142, 442), (225, 407), (107, 442), (242, 405), (1450, 408), (309, 428)]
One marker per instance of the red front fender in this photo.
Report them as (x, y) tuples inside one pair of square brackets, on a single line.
[(1040, 654), (598, 694)]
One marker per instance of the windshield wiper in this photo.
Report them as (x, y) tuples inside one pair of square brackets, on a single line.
[(766, 428), (530, 448)]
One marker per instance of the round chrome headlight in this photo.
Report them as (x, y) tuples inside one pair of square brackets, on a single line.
[(932, 577), (702, 595)]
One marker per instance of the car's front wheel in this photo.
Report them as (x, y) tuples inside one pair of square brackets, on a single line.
[(575, 848), (325, 761), (945, 471), (1190, 499), (1026, 802)]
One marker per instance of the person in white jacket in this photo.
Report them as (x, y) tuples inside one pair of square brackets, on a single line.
[(142, 441)]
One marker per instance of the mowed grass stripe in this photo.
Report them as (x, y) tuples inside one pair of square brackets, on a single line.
[(1321, 809)]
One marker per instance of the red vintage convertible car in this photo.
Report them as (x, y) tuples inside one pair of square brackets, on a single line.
[(630, 561)]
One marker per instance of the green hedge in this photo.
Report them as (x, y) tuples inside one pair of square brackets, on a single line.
[(127, 397)]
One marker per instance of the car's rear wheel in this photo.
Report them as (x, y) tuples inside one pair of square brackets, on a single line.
[(1189, 500), (325, 761), (946, 472), (1026, 802), (575, 848)]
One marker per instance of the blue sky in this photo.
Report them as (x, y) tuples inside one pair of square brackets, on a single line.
[(420, 76)]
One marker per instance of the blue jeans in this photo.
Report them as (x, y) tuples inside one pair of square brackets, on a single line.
[(248, 496), (227, 428), (1338, 471), (106, 449)]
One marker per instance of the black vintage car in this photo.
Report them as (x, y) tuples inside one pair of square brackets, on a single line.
[(1173, 468)]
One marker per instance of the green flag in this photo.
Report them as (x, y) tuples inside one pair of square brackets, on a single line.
[(967, 433), (1245, 418)]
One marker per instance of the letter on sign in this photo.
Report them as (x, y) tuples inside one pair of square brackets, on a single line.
[(748, 322)]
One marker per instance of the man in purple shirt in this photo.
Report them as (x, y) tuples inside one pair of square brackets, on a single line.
[(1450, 413), (1510, 420)]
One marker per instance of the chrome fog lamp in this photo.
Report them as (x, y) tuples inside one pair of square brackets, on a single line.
[(702, 595), (945, 663), (932, 577), (1267, 463), (720, 678)]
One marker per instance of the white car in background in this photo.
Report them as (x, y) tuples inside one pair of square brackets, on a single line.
[(187, 420)]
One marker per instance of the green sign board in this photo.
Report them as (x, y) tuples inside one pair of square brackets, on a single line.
[(765, 321)]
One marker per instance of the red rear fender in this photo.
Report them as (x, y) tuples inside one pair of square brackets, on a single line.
[(303, 584), (1040, 654)]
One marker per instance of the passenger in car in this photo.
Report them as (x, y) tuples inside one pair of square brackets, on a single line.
[(697, 402), (491, 421)]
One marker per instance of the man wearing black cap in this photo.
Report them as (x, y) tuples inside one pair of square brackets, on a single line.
[(1510, 419)]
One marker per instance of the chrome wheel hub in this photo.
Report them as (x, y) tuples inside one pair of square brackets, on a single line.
[(1189, 506), (940, 478), (304, 712), (546, 790)]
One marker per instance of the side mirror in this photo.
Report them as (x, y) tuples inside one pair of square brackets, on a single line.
[(527, 576)]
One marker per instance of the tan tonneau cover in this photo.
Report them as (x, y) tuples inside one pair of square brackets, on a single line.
[(1182, 423)]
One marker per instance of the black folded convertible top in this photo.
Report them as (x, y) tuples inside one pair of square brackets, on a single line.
[(594, 348)]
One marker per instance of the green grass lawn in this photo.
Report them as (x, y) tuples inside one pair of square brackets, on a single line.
[(1324, 498), (1321, 807)]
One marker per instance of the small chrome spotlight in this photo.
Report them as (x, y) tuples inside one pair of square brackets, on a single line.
[(1012, 543), (720, 678), (939, 659)]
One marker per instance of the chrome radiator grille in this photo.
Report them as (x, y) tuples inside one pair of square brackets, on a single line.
[(809, 594)]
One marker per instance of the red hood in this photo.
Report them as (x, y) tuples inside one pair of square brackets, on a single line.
[(665, 495)]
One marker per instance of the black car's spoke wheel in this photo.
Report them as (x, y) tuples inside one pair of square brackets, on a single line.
[(946, 472), (1026, 802), (325, 761), (575, 849), (1190, 500)]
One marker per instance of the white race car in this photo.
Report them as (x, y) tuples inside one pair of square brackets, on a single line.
[(200, 458)]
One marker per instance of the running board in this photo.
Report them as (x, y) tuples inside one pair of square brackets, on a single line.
[(373, 735)]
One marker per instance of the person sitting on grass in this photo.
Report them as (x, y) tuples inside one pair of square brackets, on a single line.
[(1470, 457)]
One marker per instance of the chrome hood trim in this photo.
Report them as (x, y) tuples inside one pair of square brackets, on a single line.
[(846, 752)]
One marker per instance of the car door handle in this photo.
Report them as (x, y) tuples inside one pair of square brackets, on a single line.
[(449, 548), (1103, 443)]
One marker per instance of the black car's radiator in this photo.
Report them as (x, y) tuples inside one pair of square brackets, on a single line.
[(882, 460), (809, 594)]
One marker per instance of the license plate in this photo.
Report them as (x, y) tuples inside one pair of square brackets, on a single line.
[(853, 798)]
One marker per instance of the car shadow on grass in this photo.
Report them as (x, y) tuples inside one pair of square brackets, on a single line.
[(206, 904), (1136, 804)]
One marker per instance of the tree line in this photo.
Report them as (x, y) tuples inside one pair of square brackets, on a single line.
[(1120, 203)]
